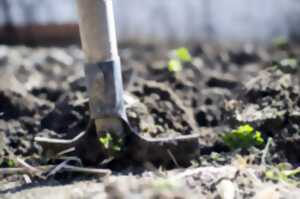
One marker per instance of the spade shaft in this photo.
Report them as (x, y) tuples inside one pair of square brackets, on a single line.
[(103, 69), (97, 30)]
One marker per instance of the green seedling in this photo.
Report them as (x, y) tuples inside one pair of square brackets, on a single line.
[(280, 42), (174, 66), (8, 162), (11, 163), (288, 65), (243, 137), (106, 140), (282, 174), (178, 57), (183, 54), (109, 143), (289, 62)]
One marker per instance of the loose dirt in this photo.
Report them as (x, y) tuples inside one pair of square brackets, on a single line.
[(42, 93)]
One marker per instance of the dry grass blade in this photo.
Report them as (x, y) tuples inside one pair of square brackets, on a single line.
[(27, 166), (27, 179), (173, 158), (22, 170), (58, 168), (65, 167), (266, 151), (30, 169), (63, 164), (175, 139), (59, 141), (101, 172), (69, 150)]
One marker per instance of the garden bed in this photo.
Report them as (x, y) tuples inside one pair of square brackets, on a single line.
[(212, 93)]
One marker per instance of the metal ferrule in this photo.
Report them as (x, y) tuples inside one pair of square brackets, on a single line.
[(103, 69), (105, 89)]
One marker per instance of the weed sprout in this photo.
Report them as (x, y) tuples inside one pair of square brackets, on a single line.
[(243, 137), (178, 57)]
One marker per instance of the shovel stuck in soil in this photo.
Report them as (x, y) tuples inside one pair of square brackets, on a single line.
[(109, 132)]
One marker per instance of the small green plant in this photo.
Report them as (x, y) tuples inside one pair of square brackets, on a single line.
[(183, 54), (7, 162), (174, 65), (280, 42), (288, 65), (280, 173), (178, 57), (109, 143), (243, 137), (11, 163), (289, 62)]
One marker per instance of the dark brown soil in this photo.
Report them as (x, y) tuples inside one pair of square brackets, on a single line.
[(42, 92)]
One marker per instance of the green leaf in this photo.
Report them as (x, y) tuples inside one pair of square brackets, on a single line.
[(245, 129), (291, 173), (183, 54), (106, 140), (258, 138), (116, 148), (270, 174), (174, 66), (243, 137), (288, 65), (11, 163), (111, 143), (280, 42), (289, 62), (282, 175)]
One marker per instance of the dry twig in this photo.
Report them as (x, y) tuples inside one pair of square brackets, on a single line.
[(173, 158), (266, 151), (59, 141)]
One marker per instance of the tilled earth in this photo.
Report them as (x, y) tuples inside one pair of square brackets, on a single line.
[(42, 93)]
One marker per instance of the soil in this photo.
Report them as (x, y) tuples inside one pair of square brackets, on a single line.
[(42, 93)]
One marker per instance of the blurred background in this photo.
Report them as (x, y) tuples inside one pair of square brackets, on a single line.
[(37, 22)]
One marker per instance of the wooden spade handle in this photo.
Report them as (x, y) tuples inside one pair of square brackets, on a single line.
[(97, 30)]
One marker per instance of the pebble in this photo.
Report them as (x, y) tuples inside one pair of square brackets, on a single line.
[(227, 189)]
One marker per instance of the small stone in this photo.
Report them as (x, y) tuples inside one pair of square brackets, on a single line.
[(226, 189)]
